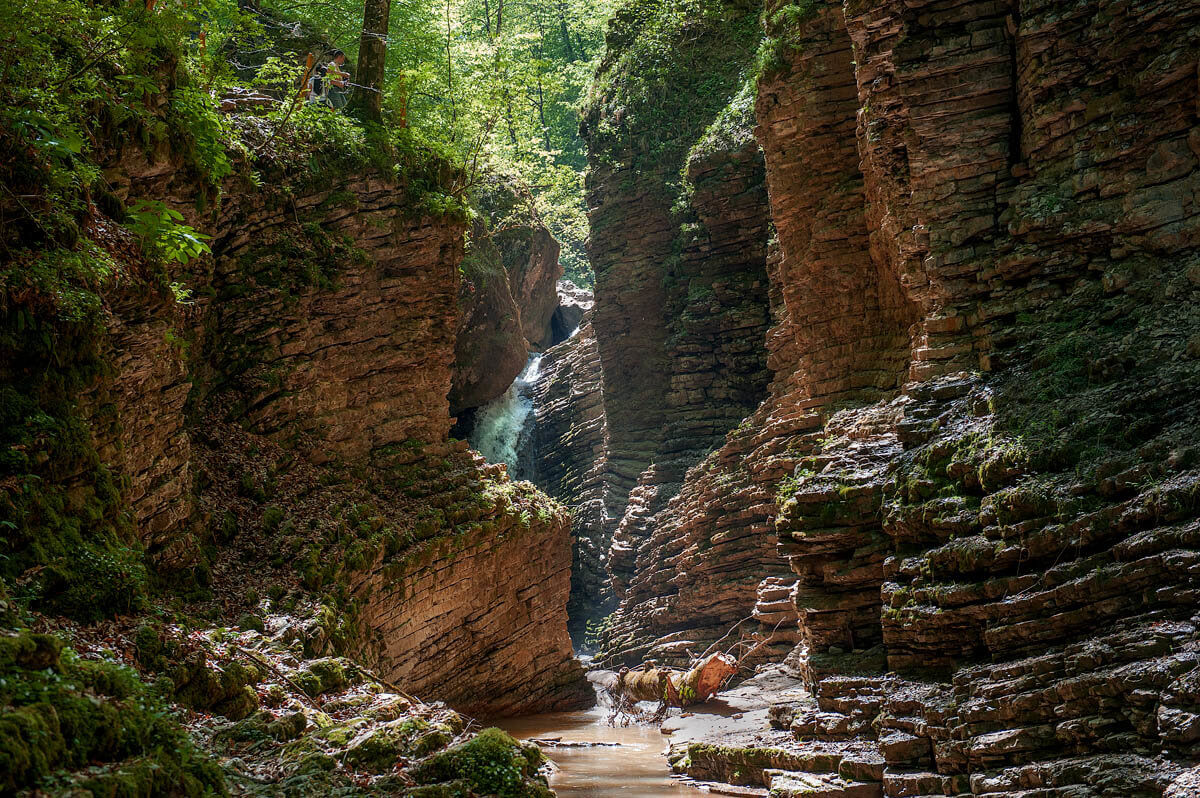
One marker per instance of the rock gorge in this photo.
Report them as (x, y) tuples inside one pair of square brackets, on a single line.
[(964, 510), (277, 440), (892, 362)]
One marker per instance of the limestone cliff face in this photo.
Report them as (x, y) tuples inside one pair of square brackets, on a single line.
[(339, 331), (509, 297), (681, 289), (983, 402), (138, 425), (490, 348), (304, 395), (570, 436)]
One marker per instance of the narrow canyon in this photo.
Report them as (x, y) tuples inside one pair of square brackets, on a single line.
[(888, 385)]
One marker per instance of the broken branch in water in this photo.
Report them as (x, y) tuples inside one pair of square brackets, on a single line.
[(673, 687), (677, 687)]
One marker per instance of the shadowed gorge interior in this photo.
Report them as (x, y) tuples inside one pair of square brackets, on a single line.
[(593, 351)]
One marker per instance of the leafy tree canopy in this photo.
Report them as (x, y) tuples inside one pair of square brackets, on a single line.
[(497, 83)]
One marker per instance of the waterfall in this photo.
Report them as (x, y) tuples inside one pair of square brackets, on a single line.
[(502, 426)]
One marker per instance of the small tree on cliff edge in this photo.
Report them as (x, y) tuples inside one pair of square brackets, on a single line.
[(372, 52)]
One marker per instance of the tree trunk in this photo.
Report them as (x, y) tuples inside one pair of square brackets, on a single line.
[(566, 31), (674, 687), (372, 54)]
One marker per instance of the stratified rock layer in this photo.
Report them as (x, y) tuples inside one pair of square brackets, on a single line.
[(145, 438), (681, 288), (490, 348), (357, 368), (340, 330), (978, 458), (570, 434), (509, 297), (319, 357)]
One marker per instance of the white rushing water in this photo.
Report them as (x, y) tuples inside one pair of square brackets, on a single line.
[(501, 426)]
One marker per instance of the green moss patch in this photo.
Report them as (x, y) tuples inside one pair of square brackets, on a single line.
[(490, 764), (62, 714)]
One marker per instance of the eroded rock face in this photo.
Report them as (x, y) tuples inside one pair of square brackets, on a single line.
[(138, 424), (461, 610), (681, 288), (319, 359), (978, 458), (341, 329), (479, 619), (509, 297), (573, 303), (490, 348), (531, 258), (570, 435)]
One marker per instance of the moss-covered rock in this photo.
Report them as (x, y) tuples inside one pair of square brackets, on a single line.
[(221, 689), (62, 713), (492, 763), (325, 675), (263, 725), (381, 748)]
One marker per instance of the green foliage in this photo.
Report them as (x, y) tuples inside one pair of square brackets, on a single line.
[(491, 95), (163, 233), (95, 582), (491, 763), (597, 630), (65, 521), (206, 135), (272, 518), (782, 25), (69, 724), (664, 93), (733, 127)]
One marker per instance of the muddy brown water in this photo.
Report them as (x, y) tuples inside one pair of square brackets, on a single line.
[(635, 768)]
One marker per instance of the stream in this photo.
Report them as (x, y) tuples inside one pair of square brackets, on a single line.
[(629, 762), (592, 759), (634, 768)]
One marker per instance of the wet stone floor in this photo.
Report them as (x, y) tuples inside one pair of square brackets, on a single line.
[(596, 760)]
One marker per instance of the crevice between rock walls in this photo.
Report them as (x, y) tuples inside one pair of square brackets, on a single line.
[(970, 500), (679, 244), (323, 335)]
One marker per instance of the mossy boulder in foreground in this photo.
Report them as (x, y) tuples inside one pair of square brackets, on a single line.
[(61, 714), (492, 763)]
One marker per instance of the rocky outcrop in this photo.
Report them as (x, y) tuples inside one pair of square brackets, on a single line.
[(307, 384), (139, 426), (531, 257), (455, 579), (983, 403), (508, 298), (573, 303), (490, 348), (355, 367), (570, 434), (499, 651), (338, 331), (681, 289)]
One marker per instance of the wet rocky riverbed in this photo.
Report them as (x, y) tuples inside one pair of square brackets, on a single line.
[(596, 759)]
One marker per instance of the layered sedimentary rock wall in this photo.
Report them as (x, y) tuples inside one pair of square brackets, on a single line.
[(508, 298), (352, 331), (681, 285), (977, 459), (138, 425), (491, 347), (435, 621), (570, 439), (302, 399)]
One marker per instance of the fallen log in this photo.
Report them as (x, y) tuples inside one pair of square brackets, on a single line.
[(675, 687)]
